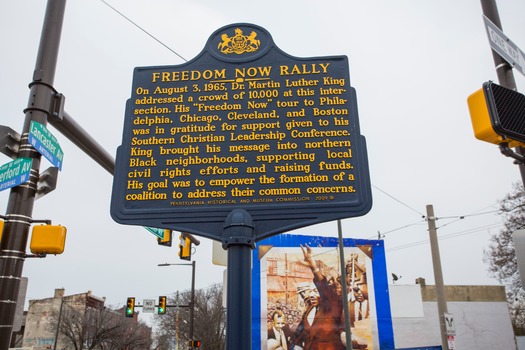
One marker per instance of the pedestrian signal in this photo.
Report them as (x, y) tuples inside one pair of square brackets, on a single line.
[(48, 239), (498, 115), (130, 307), (162, 305)]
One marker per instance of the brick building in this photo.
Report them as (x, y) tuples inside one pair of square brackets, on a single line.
[(42, 315), (84, 313)]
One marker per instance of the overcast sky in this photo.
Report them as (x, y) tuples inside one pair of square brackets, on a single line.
[(413, 64)]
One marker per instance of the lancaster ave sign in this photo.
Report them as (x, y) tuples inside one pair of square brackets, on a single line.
[(46, 144)]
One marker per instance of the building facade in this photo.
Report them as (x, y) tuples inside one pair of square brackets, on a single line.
[(480, 317), (44, 315), (83, 320)]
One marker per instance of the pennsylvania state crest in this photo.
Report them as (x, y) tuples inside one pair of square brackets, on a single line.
[(239, 43)]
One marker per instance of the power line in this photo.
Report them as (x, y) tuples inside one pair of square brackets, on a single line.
[(458, 218), (382, 234), (469, 215), (461, 217), (457, 234), (397, 200), (136, 25), (452, 235)]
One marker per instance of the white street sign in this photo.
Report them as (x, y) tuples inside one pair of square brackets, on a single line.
[(148, 306), (500, 43)]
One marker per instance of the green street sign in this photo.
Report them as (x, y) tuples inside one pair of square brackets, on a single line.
[(46, 144), (15, 173), (159, 232)]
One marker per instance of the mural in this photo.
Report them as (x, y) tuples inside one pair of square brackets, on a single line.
[(298, 294)]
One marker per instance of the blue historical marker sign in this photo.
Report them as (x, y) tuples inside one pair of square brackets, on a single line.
[(242, 126)]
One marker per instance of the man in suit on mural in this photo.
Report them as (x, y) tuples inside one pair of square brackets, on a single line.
[(276, 337), (289, 327)]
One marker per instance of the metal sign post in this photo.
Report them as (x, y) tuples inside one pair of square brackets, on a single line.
[(21, 198), (503, 68)]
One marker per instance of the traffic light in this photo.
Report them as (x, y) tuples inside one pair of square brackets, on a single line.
[(184, 247), (130, 307), (498, 115), (162, 305), (166, 239), (194, 343)]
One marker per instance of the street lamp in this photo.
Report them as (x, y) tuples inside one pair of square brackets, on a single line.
[(192, 300)]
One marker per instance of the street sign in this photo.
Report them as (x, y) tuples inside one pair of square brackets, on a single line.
[(15, 173), (159, 232), (451, 342), (500, 43), (46, 144), (148, 306)]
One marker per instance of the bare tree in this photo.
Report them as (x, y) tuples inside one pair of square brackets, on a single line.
[(99, 328), (501, 255), (209, 320)]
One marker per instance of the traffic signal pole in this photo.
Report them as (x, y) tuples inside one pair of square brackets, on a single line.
[(68, 127), (42, 102), (503, 68), (45, 105), (192, 306), (192, 299)]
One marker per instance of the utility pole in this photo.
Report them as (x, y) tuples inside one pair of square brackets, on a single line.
[(438, 275), (177, 338), (191, 305), (42, 99)]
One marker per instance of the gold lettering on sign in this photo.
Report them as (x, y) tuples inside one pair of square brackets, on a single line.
[(244, 135)]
